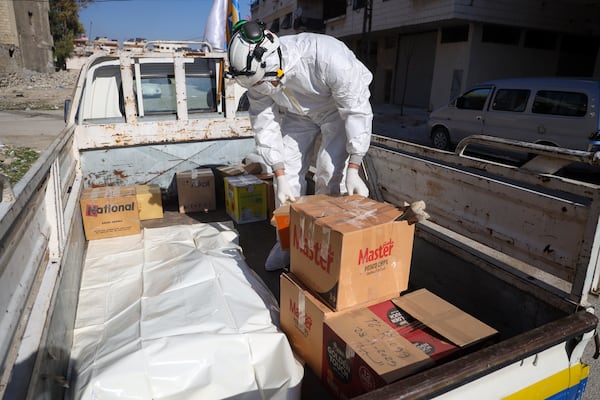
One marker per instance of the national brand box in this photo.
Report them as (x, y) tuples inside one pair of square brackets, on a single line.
[(246, 198), (149, 201), (109, 211), (302, 316), (350, 250), (370, 347), (196, 190)]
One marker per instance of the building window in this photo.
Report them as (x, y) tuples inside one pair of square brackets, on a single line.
[(274, 26), (555, 102), (544, 40), (286, 23), (575, 44), (455, 34), (501, 34), (511, 100), (333, 9), (356, 4)]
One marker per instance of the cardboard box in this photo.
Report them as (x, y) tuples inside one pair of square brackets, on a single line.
[(426, 339), (109, 211), (196, 190), (350, 250), (149, 201), (223, 172), (281, 218), (302, 316), (246, 198), (365, 349), (268, 179)]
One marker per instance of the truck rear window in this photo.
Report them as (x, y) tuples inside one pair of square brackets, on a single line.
[(556, 102), (157, 83)]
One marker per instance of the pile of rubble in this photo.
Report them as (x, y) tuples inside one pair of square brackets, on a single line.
[(35, 90)]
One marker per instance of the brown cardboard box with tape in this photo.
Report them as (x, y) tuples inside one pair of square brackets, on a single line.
[(350, 250), (109, 211), (196, 190)]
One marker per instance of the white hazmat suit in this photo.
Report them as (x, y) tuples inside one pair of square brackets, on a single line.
[(304, 89), (324, 90)]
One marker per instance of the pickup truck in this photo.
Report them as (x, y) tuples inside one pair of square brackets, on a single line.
[(516, 247)]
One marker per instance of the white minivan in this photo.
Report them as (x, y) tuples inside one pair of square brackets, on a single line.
[(559, 112)]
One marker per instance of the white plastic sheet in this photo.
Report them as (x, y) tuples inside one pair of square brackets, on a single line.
[(175, 313)]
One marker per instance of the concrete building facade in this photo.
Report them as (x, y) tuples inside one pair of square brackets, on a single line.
[(424, 52), (25, 38)]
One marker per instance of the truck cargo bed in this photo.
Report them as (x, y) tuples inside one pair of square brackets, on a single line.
[(525, 322)]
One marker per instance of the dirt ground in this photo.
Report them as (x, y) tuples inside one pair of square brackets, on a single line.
[(37, 91)]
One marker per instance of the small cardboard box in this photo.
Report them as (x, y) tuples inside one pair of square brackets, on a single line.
[(365, 349), (196, 190), (281, 218), (268, 179), (246, 198), (149, 201), (302, 316), (427, 340), (222, 172), (109, 211), (350, 250)]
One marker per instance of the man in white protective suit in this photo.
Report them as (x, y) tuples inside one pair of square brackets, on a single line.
[(303, 89)]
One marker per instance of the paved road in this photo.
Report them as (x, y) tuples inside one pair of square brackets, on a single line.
[(37, 129), (34, 129)]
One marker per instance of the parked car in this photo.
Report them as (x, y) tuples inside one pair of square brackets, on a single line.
[(552, 111)]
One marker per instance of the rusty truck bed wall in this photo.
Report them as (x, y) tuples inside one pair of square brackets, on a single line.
[(542, 220)]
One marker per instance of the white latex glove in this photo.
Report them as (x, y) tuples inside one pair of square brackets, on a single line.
[(284, 192), (354, 184)]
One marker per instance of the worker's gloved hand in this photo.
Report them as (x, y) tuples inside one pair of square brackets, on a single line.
[(284, 192), (354, 184)]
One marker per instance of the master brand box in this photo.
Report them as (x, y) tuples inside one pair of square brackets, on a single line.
[(302, 317), (350, 250)]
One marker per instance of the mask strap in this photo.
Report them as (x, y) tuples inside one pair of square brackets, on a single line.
[(279, 73)]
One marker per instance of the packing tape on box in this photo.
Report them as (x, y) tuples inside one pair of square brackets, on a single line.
[(326, 232), (361, 219), (302, 233), (349, 352), (301, 312)]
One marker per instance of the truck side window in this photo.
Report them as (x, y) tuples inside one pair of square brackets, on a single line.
[(511, 100), (554, 102), (473, 99), (200, 86), (101, 101)]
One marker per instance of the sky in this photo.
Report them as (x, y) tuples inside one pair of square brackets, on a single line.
[(149, 19)]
